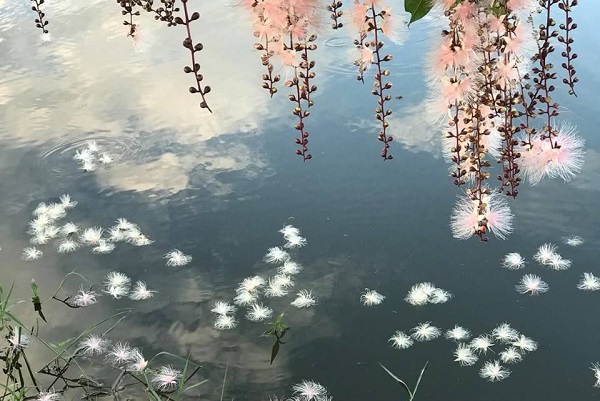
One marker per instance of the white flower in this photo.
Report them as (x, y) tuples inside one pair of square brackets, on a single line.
[(140, 292), (126, 225), (88, 166), (481, 344), (116, 291), (556, 262), (69, 229), (251, 284), (40, 209), (91, 236), (513, 261), (39, 239), (589, 282), (371, 297), (177, 258), (92, 146), (400, 340), (440, 296), (282, 280), (545, 253), (525, 344), (66, 202), (304, 299), (289, 231), (465, 355), (596, 369), (84, 298), (116, 279), (67, 246), (119, 354), (510, 355), (166, 378), (48, 396), (244, 298), (419, 293), (573, 240), (105, 159), (295, 241), (493, 371), (93, 345), (223, 308), (142, 240), (136, 362), (38, 225), (425, 332), (258, 312), (225, 322), (458, 333), (51, 231), (275, 290), (56, 211), (84, 156), (309, 390), (290, 267), (103, 247), (505, 333), (532, 284), (31, 254), (276, 255), (115, 234)]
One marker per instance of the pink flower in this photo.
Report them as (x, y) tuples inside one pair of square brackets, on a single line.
[(457, 91), (497, 217), (365, 60)]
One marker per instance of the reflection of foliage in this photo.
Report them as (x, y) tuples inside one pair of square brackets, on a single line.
[(413, 392), (278, 329), (65, 369)]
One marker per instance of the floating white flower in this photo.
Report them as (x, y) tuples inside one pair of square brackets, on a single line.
[(457, 333), (223, 308), (558, 263), (295, 241), (66, 202), (290, 267), (513, 261), (92, 146), (31, 253), (573, 240), (244, 298), (371, 297), (258, 312), (481, 344), (93, 345), (532, 284), (251, 284), (505, 333), (465, 355), (84, 298), (525, 344), (126, 225), (596, 369), (493, 371), (440, 296), (40, 209), (52, 231), (88, 166), (115, 234), (225, 322), (511, 355), (289, 231), (177, 258), (545, 253), (304, 299), (119, 354), (136, 362), (84, 156), (167, 378), (116, 279), (69, 229), (425, 332), (140, 291), (275, 290), (276, 255), (48, 396), (38, 225), (419, 294), (282, 280), (141, 240), (103, 247), (91, 236), (308, 390), (105, 159), (39, 239), (56, 211), (589, 282), (116, 291), (400, 340)]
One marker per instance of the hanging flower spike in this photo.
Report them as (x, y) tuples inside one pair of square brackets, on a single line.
[(163, 13), (568, 26), (128, 7), (268, 37), (39, 21), (336, 13), (188, 44)]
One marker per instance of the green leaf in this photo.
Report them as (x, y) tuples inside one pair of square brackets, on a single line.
[(274, 351), (417, 9)]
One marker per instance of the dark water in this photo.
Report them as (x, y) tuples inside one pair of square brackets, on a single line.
[(219, 187)]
